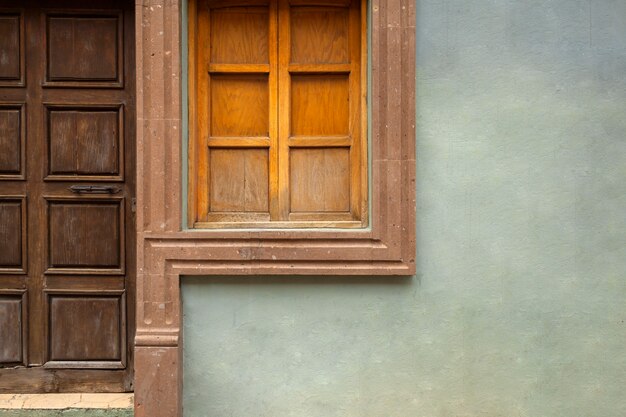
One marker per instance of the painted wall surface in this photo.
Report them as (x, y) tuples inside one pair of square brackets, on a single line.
[(519, 307)]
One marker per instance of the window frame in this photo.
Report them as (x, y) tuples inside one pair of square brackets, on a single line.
[(385, 247)]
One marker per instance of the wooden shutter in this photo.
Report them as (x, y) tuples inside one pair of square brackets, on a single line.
[(278, 114)]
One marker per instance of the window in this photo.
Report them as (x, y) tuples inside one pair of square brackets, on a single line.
[(277, 114)]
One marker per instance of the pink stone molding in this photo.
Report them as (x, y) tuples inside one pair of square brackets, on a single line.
[(165, 251)]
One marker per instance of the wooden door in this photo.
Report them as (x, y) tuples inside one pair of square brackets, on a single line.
[(67, 240)]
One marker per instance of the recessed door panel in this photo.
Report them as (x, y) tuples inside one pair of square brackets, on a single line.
[(12, 330), (11, 47), (85, 327), (85, 143), (84, 49), (11, 141), (12, 234), (86, 235)]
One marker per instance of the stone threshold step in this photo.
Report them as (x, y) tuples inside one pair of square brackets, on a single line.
[(66, 405), (70, 412)]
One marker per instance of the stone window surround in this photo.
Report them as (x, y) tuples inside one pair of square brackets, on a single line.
[(165, 251)]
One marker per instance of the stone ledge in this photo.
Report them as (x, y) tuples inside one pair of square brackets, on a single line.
[(71, 412), (65, 402)]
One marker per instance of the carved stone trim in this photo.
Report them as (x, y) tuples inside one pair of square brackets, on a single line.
[(166, 252)]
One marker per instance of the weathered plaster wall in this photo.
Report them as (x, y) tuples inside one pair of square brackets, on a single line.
[(519, 307)]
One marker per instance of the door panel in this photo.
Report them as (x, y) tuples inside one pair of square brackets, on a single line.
[(12, 46), (86, 235), (67, 242), (96, 340), (84, 49), (12, 135), (13, 234), (12, 327), (85, 143)]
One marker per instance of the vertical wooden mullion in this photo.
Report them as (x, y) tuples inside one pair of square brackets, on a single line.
[(37, 227), (355, 108), (203, 111), (274, 191), (284, 108)]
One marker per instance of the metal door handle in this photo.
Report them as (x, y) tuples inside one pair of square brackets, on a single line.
[(95, 189)]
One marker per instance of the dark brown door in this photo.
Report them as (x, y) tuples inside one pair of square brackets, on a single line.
[(67, 256)]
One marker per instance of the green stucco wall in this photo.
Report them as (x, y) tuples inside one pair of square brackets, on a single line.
[(519, 305)]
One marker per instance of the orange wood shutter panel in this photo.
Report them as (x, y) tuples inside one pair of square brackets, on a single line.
[(279, 114)]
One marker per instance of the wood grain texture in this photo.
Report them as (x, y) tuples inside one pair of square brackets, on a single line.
[(239, 142), (320, 180), (11, 140), (319, 35), (10, 47), (320, 141), (363, 151), (239, 68), (85, 141), (358, 111), (11, 237), (284, 114), (320, 68), (85, 234), (194, 149), (239, 180), (85, 328), (84, 48), (30, 380), (321, 109), (239, 105), (320, 105), (239, 35), (11, 329), (200, 105), (274, 167), (235, 70)]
